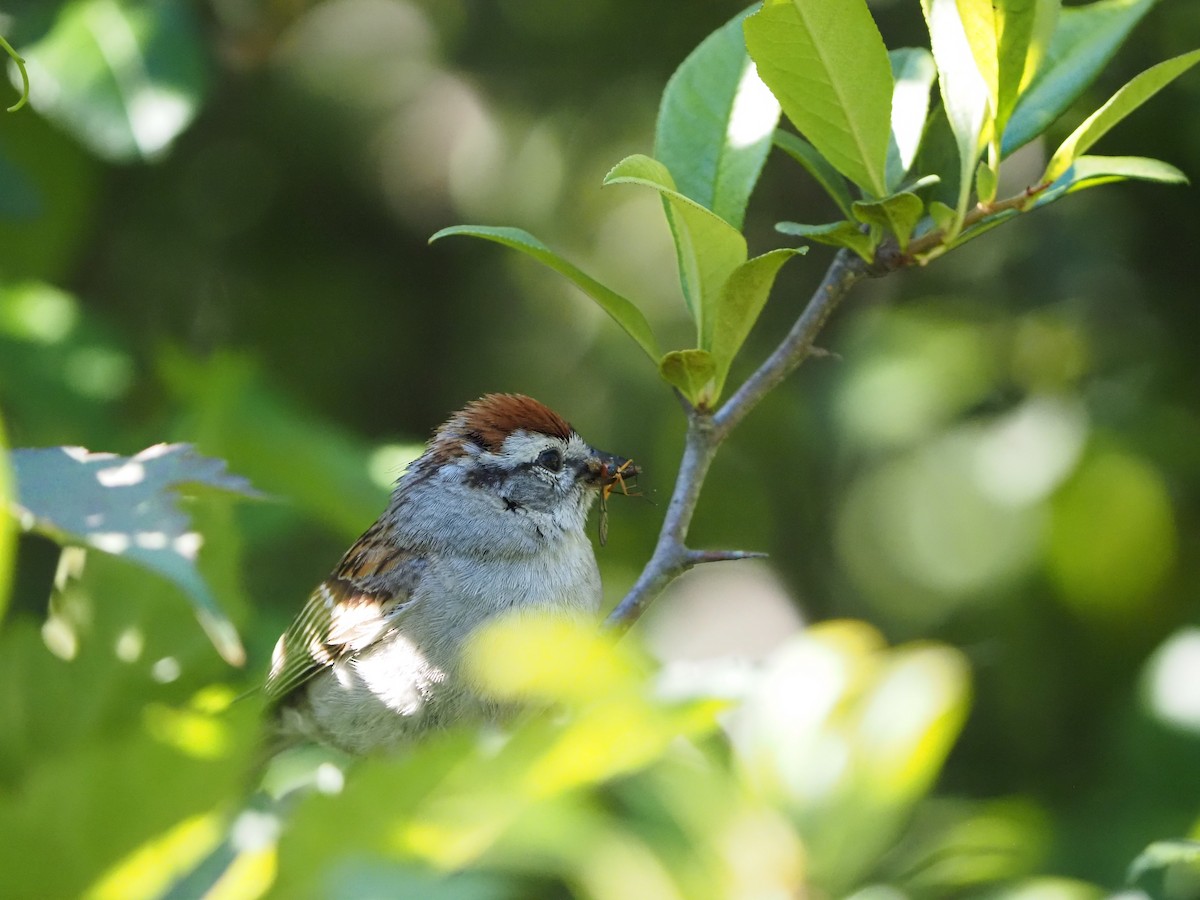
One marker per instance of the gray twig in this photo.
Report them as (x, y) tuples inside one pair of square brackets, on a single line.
[(706, 430)]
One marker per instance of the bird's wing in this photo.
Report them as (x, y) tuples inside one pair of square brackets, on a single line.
[(349, 611)]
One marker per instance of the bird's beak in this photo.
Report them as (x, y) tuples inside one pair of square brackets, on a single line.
[(605, 469)]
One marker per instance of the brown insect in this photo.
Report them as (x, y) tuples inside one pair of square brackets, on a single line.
[(611, 481)]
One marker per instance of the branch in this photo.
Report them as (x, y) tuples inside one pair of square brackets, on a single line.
[(706, 431)]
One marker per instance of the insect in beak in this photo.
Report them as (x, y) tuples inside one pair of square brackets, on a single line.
[(612, 475)]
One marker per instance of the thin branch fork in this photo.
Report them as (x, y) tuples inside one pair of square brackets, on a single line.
[(707, 430)]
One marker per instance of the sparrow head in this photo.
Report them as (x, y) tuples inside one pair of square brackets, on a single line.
[(513, 461)]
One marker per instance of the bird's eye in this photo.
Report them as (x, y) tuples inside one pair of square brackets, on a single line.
[(550, 459)]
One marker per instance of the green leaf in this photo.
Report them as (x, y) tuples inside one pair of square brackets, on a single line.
[(622, 310), (897, 214), (964, 91), (1120, 105), (125, 79), (827, 64), (817, 166), (913, 71), (708, 248), (836, 234), (985, 182), (1023, 32), (715, 123), (742, 299), (1164, 855), (1085, 39), (942, 215), (978, 20), (1091, 171), (694, 372), (128, 507)]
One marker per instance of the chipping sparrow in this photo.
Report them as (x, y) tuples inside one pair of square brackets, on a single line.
[(489, 519)]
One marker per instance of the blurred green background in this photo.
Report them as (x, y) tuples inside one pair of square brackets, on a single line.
[(226, 244)]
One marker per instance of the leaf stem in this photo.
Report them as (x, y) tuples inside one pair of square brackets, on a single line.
[(24, 74)]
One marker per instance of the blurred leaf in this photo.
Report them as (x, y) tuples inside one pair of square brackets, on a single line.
[(1090, 171), (1179, 860), (694, 372), (715, 123), (1113, 538), (964, 91), (848, 734), (913, 71), (126, 79), (129, 507), (1084, 40), (828, 66), (622, 310), (742, 298), (985, 182), (817, 166), (897, 214), (8, 530), (836, 234), (1120, 105), (708, 248)]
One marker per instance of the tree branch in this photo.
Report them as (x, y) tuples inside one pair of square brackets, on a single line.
[(706, 431)]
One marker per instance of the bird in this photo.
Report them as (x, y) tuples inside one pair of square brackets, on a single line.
[(489, 520)]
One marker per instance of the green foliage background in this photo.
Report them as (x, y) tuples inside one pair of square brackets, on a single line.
[(1005, 458)]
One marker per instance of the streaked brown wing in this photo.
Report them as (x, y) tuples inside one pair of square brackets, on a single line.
[(349, 611)]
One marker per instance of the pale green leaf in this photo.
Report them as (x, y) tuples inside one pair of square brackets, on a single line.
[(913, 72), (1121, 104), (694, 372), (129, 507), (125, 79), (827, 64), (942, 215), (964, 91), (978, 20), (715, 123), (985, 182), (708, 248), (1084, 40), (836, 234), (622, 310), (1091, 171), (817, 166), (742, 299), (897, 214)]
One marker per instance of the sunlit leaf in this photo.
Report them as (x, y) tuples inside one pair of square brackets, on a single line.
[(827, 64), (897, 214), (1120, 105), (913, 72), (1091, 171), (622, 310), (1084, 40), (694, 372), (125, 79), (129, 507), (964, 90), (1023, 32), (817, 166), (742, 299), (715, 123), (708, 248), (836, 234), (980, 28)]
